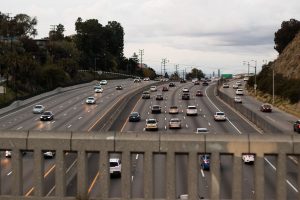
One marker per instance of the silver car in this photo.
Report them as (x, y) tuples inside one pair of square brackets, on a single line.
[(38, 109)]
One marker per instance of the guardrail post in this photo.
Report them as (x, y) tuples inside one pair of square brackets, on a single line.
[(126, 175), (17, 168), (281, 176), (215, 176), (38, 173), (104, 174), (60, 174), (192, 175), (148, 175), (82, 175), (237, 178), (170, 175), (259, 181)]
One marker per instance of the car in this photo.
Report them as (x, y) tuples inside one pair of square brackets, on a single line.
[(97, 85), (146, 95), (234, 86), (196, 83), (174, 123), (199, 93), (202, 130), (165, 88), (7, 153), (90, 100), (159, 97), (195, 80), (266, 107), (191, 110), (238, 83), (156, 109), (225, 85), (136, 80), (237, 99), (134, 117), (185, 90), (248, 158), (171, 84), (38, 109), (182, 81), (119, 87), (185, 96), (47, 116), (153, 88), (205, 83), (296, 126), (115, 167), (220, 116), (103, 82), (205, 162), (98, 89), (151, 124), (146, 79), (246, 78), (173, 110), (239, 92), (49, 154)]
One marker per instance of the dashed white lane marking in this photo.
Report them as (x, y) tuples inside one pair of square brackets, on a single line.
[(9, 173), (144, 129), (52, 122), (165, 127), (65, 114), (270, 118), (209, 124), (202, 173), (137, 156), (19, 128), (69, 126), (287, 181), (183, 117), (186, 126), (79, 117), (165, 119), (204, 116), (131, 178)]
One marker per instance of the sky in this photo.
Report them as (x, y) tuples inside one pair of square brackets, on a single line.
[(203, 34)]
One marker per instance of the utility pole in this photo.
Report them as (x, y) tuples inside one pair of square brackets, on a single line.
[(164, 61), (255, 85), (176, 70), (141, 53)]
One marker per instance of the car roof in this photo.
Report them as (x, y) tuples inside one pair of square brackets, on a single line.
[(38, 106), (202, 130), (175, 119), (151, 119), (191, 106), (114, 160), (220, 113)]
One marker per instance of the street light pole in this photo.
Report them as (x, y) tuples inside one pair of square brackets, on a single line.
[(273, 84), (255, 85)]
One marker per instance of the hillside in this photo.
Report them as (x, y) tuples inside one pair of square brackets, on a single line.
[(288, 62)]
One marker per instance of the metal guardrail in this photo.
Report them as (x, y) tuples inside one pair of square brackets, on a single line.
[(127, 144)]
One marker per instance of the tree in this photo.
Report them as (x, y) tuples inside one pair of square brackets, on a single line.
[(286, 34), (58, 33), (195, 73)]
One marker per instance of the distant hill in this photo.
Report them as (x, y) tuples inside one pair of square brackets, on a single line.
[(288, 62)]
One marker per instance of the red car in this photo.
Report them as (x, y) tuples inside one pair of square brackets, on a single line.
[(199, 93), (266, 108)]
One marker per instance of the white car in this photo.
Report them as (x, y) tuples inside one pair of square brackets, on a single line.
[(219, 116), (146, 79), (239, 92), (235, 86), (173, 110), (202, 130), (98, 90), (115, 167), (238, 83), (225, 85), (103, 82), (175, 123), (237, 99), (7, 153), (153, 88), (185, 90), (38, 109), (90, 100), (49, 154), (248, 158), (191, 110)]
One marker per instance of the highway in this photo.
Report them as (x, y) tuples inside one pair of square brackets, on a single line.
[(72, 114)]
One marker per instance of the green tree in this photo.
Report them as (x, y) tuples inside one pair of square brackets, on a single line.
[(58, 33), (286, 34)]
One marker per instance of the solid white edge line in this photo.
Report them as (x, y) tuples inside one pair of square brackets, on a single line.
[(202, 173)]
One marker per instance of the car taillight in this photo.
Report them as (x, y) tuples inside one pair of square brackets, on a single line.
[(298, 125)]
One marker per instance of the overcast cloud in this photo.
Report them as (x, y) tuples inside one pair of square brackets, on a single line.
[(209, 34)]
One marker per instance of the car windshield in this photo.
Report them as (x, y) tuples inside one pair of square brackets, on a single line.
[(91, 98), (175, 120), (38, 107), (220, 113), (192, 107), (113, 164), (267, 106), (173, 107), (134, 114), (47, 113), (151, 121)]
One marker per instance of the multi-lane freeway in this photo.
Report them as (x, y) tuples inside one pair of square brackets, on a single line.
[(73, 114)]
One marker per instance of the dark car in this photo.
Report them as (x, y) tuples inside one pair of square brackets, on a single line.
[(297, 126), (134, 117), (156, 109), (146, 95), (185, 96), (171, 84), (165, 88), (159, 97), (182, 81), (205, 83), (119, 87), (47, 116), (205, 162), (196, 83), (266, 108), (199, 93)]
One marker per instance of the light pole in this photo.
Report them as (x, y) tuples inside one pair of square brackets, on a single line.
[(255, 85), (244, 63), (273, 85)]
